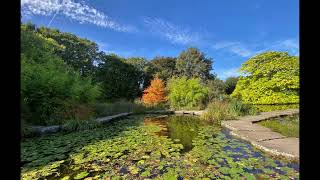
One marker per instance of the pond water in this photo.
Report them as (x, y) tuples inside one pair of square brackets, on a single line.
[(181, 129), (150, 147)]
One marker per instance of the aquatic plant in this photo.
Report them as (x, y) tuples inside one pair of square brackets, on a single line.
[(129, 149)]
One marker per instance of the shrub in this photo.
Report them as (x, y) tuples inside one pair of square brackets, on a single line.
[(108, 109), (78, 125), (72, 110), (186, 93), (238, 108), (217, 111), (121, 106), (216, 89), (155, 93), (226, 109), (47, 83)]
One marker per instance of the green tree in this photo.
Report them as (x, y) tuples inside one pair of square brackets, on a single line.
[(118, 78), (78, 52), (216, 89), (186, 93), (48, 85), (230, 84), (269, 78), (193, 64), (145, 71), (165, 67)]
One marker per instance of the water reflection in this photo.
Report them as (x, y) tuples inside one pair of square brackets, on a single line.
[(181, 129)]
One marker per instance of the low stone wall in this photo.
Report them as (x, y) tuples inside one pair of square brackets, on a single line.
[(109, 118)]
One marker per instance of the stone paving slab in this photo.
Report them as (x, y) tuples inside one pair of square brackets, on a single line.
[(288, 147), (258, 135), (262, 137), (267, 115), (243, 126)]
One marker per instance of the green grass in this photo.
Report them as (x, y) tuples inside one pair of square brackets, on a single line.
[(288, 126)]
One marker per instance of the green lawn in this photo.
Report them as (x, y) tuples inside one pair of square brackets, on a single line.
[(287, 126)]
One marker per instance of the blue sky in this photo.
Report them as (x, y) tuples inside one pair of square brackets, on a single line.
[(228, 31)]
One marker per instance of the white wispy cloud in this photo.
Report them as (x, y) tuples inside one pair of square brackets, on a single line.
[(290, 45), (225, 73), (234, 47), (102, 45), (77, 11), (174, 33)]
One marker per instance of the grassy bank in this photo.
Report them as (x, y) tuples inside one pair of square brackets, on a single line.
[(287, 126)]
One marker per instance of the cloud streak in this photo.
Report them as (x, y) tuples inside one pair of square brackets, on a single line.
[(79, 12), (243, 50), (225, 73), (234, 47), (290, 45), (174, 33)]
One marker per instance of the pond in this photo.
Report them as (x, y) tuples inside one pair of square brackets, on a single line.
[(150, 147)]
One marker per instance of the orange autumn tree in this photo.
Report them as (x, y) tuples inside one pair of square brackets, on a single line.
[(155, 93)]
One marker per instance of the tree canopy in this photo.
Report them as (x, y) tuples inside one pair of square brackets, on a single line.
[(118, 78), (155, 93), (165, 67), (230, 84), (186, 93), (78, 52), (49, 86), (194, 64), (269, 78)]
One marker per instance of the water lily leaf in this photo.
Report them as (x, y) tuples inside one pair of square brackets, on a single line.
[(81, 175), (66, 178)]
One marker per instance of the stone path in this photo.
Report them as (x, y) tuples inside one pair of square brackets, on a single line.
[(262, 137)]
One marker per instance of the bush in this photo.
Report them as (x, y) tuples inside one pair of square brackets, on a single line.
[(47, 83), (78, 125), (238, 108), (217, 111), (108, 109), (216, 89), (186, 93), (75, 111)]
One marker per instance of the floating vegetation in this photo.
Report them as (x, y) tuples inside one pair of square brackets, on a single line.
[(173, 147)]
